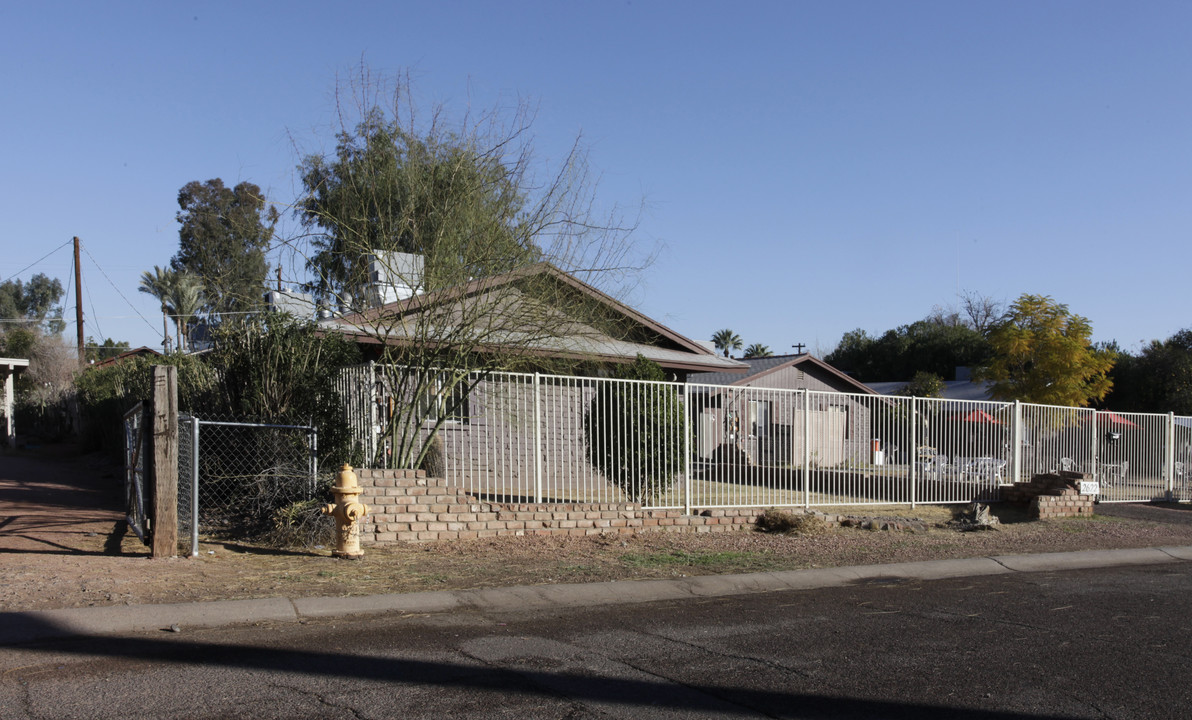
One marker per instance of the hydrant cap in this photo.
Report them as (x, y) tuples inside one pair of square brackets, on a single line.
[(347, 478)]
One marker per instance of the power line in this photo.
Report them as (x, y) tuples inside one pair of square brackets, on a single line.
[(43, 257), (105, 277), (94, 315)]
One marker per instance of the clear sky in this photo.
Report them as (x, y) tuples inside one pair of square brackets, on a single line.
[(807, 167)]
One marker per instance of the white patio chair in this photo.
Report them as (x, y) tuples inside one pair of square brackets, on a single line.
[(986, 468), (1114, 472), (936, 465)]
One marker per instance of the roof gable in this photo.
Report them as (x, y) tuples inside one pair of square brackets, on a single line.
[(760, 368), (585, 323)]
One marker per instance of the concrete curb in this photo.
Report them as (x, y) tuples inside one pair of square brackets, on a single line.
[(24, 627), (19, 627), (1044, 562)]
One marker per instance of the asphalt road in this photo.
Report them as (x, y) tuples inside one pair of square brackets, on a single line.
[(1104, 643)]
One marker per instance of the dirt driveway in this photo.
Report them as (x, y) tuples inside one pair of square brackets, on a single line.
[(54, 501), (63, 544)]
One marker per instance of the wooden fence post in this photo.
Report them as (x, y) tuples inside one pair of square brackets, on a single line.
[(165, 461)]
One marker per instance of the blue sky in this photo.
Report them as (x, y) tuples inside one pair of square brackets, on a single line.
[(807, 168)]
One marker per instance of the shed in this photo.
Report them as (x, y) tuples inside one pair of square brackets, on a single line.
[(758, 417)]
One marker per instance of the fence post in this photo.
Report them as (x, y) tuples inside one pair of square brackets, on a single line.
[(914, 474), (537, 439), (1170, 456), (165, 461), (314, 458), (194, 486), (371, 398), (1016, 440), (686, 449), (806, 448)]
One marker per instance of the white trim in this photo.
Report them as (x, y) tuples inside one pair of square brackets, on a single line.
[(9, 367)]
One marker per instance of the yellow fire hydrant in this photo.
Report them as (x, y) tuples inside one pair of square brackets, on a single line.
[(347, 512)]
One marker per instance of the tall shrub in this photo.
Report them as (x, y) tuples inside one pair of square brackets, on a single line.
[(105, 393), (281, 370), (635, 431)]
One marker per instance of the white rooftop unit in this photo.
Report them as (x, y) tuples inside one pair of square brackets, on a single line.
[(394, 276), (298, 304)]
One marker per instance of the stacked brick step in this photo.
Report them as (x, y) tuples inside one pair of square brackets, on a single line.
[(1052, 495)]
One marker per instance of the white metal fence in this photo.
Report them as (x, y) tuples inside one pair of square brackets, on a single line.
[(547, 438)]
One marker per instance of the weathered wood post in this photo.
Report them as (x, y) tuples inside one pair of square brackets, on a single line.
[(165, 461)]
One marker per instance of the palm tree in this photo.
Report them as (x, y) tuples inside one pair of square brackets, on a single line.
[(757, 350), (726, 340), (181, 296), (158, 284), (185, 299)]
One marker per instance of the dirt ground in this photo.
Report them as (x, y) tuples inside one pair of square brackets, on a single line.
[(63, 544)]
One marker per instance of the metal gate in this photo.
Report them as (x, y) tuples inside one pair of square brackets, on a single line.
[(232, 476), (136, 444)]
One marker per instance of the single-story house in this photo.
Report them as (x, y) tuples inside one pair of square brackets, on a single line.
[(537, 312), (536, 318), (126, 355)]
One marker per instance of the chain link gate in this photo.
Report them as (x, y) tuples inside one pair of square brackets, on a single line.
[(135, 447), (233, 476)]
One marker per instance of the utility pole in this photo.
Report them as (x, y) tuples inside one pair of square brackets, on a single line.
[(79, 303)]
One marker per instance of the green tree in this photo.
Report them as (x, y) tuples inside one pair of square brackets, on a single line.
[(1158, 379), (34, 302), (453, 211), (634, 431), (1043, 354), (726, 341), (274, 368), (18, 341), (106, 393), (924, 385), (388, 190), (936, 345), (222, 240), (757, 350), (854, 354), (109, 348)]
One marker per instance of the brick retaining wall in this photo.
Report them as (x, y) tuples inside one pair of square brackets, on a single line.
[(1052, 495), (407, 506)]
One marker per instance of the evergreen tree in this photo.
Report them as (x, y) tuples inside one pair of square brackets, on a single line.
[(224, 235)]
